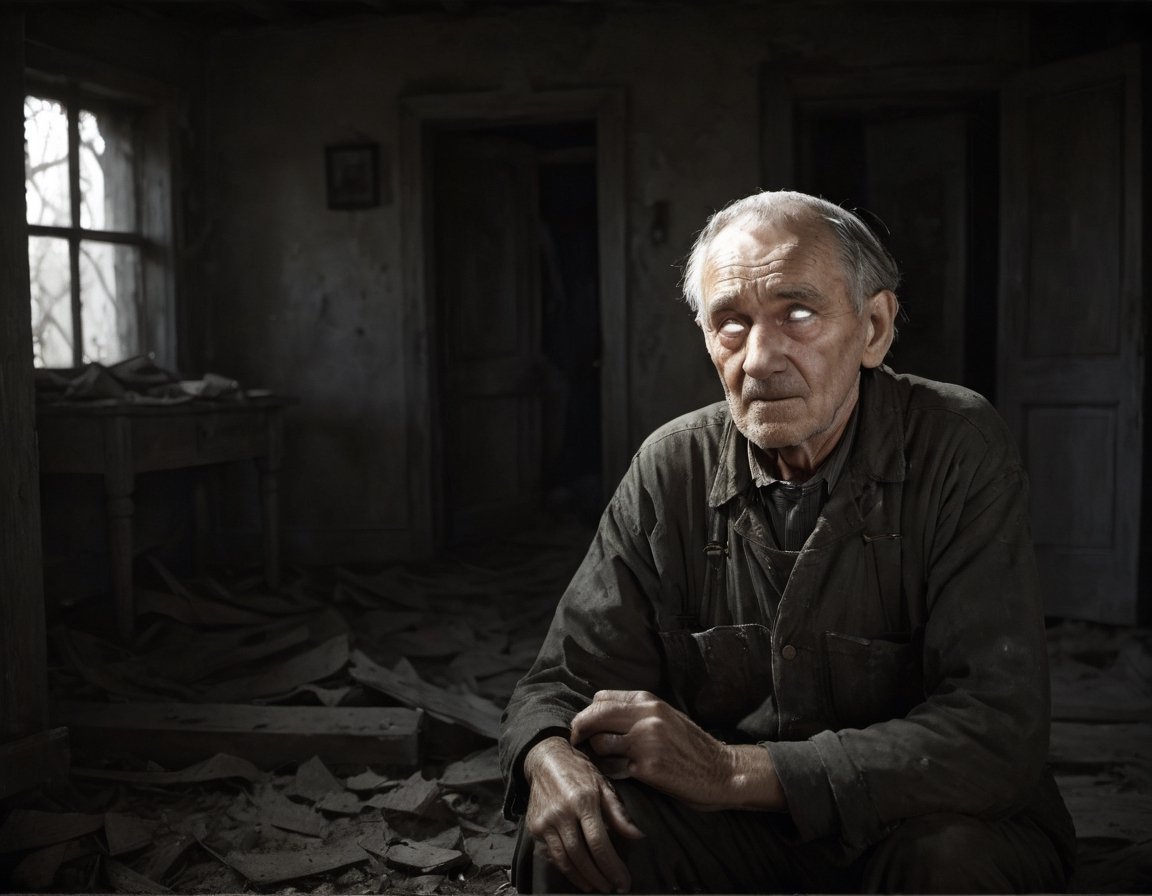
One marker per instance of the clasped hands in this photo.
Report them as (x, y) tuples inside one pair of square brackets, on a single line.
[(573, 809)]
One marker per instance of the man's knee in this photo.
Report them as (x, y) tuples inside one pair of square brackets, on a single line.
[(951, 853)]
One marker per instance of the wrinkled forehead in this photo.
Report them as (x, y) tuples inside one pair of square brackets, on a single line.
[(753, 249)]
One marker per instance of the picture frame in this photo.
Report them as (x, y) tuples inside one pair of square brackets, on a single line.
[(352, 175)]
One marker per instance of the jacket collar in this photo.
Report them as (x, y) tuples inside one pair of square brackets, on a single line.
[(877, 454)]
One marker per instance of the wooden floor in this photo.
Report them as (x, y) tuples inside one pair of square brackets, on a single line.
[(256, 741), (1101, 750)]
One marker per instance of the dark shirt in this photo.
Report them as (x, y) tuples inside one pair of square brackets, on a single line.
[(794, 507)]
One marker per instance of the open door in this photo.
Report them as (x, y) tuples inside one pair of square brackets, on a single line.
[(1070, 347), (488, 327)]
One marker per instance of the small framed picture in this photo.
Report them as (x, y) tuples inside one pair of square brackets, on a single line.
[(353, 172)]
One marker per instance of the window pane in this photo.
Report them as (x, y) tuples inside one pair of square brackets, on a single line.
[(51, 282), (107, 180), (109, 298), (46, 162)]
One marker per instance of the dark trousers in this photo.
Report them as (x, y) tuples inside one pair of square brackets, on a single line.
[(758, 852)]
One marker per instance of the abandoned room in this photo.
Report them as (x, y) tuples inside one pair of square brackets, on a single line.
[(327, 330)]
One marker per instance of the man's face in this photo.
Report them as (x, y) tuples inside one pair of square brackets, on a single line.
[(779, 324)]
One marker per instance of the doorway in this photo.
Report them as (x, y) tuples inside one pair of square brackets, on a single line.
[(515, 279), (924, 176), (515, 307), (1050, 226)]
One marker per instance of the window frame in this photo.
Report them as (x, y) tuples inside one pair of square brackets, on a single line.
[(154, 231)]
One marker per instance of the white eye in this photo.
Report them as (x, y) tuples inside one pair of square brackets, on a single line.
[(731, 328), (800, 313)]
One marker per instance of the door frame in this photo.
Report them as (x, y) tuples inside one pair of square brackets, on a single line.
[(784, 88), (418, 116)]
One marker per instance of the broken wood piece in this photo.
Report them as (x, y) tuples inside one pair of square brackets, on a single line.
[(424, 858), (422, 884), (34, 760), (1094, 745), (124, 880), (270, 736), (502, 826), (281, 812), (95, 661), (449, 838), (158, 861), (31, 828), (378, 838), (216, 768), (194, 611), (274, 867), (1100, 809), (368, 781), (198, 655), (324, 696), (479, 769), (413, 797), (491, 850), (284, 675), (341, 804), (476, 714), (313, 781), (126, 833)]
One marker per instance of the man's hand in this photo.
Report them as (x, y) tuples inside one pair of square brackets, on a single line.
[(635, 732), (569, 801)]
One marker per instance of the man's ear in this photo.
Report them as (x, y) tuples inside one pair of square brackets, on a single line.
[(880, 321)]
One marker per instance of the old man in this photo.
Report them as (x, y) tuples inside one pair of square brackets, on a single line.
[(806, 649)]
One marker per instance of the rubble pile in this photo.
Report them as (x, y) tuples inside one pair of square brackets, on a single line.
[(334, 736)]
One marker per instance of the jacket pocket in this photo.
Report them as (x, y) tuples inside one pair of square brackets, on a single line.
[(872, 679), (720, 675)]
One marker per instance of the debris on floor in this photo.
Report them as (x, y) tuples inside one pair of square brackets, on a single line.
[(1101, 750), (336, 736)]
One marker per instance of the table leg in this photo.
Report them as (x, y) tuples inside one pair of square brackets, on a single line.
[(270, 518), (202, 521), (119, 481)]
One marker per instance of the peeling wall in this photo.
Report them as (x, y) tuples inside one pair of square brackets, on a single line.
[(308, 301)]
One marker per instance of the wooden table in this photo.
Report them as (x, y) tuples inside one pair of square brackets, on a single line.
[(117, 440)]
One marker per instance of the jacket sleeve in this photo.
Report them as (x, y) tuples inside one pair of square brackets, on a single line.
[(603, 635), (977, 743)]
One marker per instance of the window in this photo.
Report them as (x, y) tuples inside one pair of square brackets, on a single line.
[(90, 249)]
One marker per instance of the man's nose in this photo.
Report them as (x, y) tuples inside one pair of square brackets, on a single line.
[(764, 352)]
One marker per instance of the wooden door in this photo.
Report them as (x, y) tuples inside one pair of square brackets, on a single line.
[(917, 185), (1071, 350), (486, 278)]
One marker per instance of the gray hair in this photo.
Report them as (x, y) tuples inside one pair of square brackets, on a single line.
[(868, 266)]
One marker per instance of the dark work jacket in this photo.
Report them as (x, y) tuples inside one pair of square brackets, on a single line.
[(903, 670)]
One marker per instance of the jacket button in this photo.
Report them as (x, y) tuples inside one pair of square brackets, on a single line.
[(789, 652)]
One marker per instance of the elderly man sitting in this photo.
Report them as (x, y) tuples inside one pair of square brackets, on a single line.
[(806, 649)]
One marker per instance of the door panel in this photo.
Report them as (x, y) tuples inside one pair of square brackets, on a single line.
[(488, 310), (1070, 359)]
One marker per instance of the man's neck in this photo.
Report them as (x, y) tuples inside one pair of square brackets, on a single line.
[(798, 463)]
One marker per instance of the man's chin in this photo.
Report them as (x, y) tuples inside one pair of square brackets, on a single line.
[(769, 436)]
